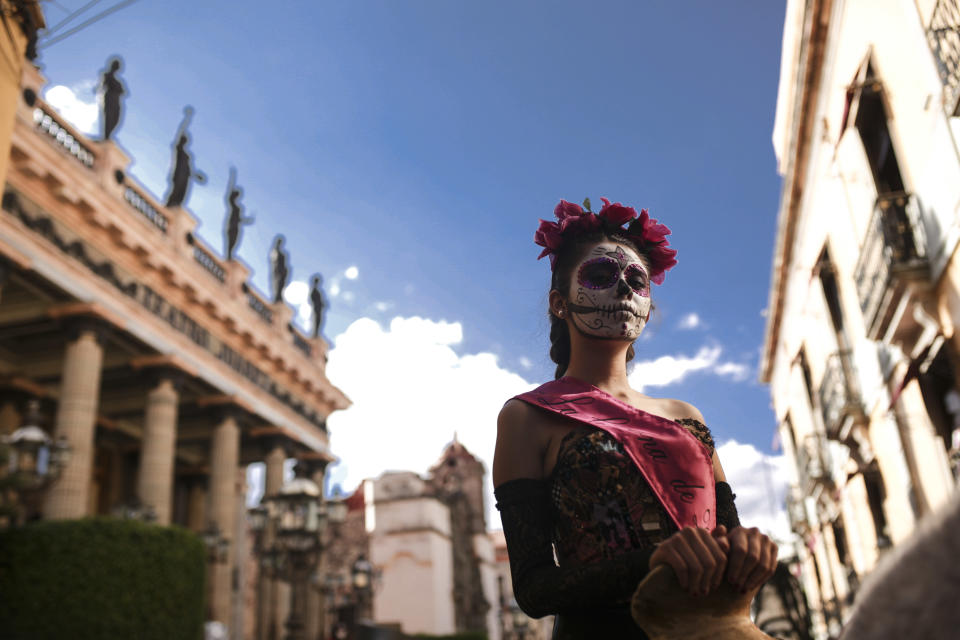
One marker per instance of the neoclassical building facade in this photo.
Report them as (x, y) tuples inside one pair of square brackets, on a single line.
[(162, 366), (861, 350)]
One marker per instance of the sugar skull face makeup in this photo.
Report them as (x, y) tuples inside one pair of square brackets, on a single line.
[(610, 293)]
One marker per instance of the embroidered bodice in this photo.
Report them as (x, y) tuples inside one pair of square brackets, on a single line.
[(600, 502)]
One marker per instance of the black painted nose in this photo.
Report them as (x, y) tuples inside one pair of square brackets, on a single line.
[(623, 289)]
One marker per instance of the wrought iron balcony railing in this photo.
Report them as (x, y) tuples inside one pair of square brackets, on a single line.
[(943, 34), (797, 510), (839, 395), (814, 462), (894, 251)]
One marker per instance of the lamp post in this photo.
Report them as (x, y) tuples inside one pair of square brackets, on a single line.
[(34, 461), (218, 548), (361, 575), (300, 521)]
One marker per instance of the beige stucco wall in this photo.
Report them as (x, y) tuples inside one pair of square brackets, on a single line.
[(836, 201), (410, 545)]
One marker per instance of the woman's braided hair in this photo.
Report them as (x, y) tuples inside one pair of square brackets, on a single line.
[(567, 258)]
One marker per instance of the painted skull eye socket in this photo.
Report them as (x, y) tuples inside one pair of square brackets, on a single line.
[(599, 273), (636, 277)]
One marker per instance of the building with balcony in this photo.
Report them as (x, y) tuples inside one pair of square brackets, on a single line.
[(164, 370), (861, 350)]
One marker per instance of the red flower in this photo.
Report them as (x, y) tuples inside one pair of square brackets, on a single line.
[(566, 209), (617, 214), (548, 236), (649, 235)]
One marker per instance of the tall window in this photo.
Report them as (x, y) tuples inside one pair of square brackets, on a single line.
[(831, 293), (876, 494), (940, 395), (871, 123)]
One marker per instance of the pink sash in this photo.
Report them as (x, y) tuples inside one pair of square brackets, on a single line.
[(675, 464)]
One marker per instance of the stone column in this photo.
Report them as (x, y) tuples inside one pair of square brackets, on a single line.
[(273, 475), (197, 507), (277, 591), (117, 478), (9, 417), (76, 416), (315, 615), (224, 459), (155, 476)]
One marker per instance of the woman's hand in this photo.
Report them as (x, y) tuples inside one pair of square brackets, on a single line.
[(751, 560), (697, 557)]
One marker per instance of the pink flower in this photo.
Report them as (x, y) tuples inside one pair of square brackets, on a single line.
[(617, 214)]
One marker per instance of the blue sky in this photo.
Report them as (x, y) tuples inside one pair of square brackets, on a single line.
[(419, 142)]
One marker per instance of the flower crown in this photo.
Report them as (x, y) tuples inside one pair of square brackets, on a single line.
[(644, 231)]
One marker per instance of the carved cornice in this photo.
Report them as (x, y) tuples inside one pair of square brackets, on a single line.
[(151, 239)]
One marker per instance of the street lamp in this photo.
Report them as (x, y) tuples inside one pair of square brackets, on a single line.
[(34, 459), (300, 522), (259, 520), (136, 510), (217, 546), (361, 575)]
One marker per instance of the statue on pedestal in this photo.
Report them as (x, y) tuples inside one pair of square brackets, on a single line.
[(183, 170), (279, 268), (235, 217), (109, 94), (318, 302)]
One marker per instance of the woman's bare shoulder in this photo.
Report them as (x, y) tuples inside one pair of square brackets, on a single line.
[(521, 442), (679, 410)]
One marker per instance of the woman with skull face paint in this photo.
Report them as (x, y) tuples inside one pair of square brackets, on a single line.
[(596, 483)]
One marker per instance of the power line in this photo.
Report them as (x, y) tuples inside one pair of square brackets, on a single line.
[(70, 17), (85, 24)]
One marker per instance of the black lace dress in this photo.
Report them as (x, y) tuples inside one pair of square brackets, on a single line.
[(580, 541)]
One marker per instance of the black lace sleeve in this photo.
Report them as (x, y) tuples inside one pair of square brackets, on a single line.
[(539, 585), (700, 431), (726, 509)]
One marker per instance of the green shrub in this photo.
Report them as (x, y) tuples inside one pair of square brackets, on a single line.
[(101, 578)]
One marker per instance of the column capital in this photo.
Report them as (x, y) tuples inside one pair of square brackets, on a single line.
[(158, 368), (76, 326), (223, 407)]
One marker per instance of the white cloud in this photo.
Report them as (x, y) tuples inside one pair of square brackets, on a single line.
[(382, 306), (82, 115), (667, 370), (525, 362), (348, 296), (411, 391), (690, 321), (351, 273), (297, 294), (737, 371), (334, 290), (760, 483)]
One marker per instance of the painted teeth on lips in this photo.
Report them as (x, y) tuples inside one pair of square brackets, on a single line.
[(618, 308)]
